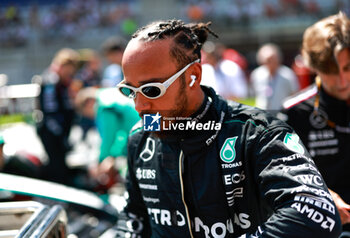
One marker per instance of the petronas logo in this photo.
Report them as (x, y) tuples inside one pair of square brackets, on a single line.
[(292, 142), (228, 152)]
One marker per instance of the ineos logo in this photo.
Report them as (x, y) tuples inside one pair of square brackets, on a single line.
[(149, 149), (234, 178)]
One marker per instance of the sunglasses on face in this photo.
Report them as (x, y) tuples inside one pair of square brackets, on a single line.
[(151, 90)]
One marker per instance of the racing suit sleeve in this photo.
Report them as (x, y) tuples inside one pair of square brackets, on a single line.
[(133, 221), (291, 188)]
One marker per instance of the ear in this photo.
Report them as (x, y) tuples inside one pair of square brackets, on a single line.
[(195, 73), (193, 78)]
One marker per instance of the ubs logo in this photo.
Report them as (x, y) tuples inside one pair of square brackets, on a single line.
[(145, 174)]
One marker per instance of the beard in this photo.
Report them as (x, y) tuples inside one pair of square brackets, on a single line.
[(181, 106), (180, 110)]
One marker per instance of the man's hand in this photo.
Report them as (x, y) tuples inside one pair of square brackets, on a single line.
[(105, 173), (343, 208)]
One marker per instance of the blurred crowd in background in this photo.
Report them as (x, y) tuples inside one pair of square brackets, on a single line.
[(68, 19), (63, 19), (249, 11)]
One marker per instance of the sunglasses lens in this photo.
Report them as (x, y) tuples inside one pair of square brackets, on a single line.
[(126, 91), (151, 91)]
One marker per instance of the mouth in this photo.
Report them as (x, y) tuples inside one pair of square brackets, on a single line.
[(145, 112), (343, 90)]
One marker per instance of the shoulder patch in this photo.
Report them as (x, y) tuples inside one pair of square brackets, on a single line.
[(300, 97), (292, 142)]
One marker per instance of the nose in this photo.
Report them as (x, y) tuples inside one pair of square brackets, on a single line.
[(342, 81), (141, 103)]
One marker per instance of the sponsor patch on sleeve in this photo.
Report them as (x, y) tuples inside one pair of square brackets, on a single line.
[(292, 142)]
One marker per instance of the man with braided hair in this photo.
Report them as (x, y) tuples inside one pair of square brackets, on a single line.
[(320, 114), (200, 166)]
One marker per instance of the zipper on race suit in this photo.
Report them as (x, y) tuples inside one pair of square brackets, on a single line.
[(181, 164)]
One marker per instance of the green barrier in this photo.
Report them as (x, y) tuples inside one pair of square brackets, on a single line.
[(14, 118), (247, 101)]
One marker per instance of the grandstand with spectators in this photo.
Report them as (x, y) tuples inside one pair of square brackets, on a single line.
[(32, 30)]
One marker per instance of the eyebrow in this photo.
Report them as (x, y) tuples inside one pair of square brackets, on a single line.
[(151, 80), (347, 65)]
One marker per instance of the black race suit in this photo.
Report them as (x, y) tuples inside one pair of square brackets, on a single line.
[(54, 125), (251, 178), (325, 133)]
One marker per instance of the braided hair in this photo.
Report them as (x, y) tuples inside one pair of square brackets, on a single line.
[(187, 38)]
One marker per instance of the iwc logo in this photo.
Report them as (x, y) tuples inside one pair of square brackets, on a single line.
[(318, 120)]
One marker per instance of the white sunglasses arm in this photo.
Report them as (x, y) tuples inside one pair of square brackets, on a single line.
[(175, 76)]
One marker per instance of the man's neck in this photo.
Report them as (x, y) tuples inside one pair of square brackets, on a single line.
[(196, 102)]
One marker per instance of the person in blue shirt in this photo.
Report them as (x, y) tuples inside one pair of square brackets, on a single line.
[(113, 49)]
